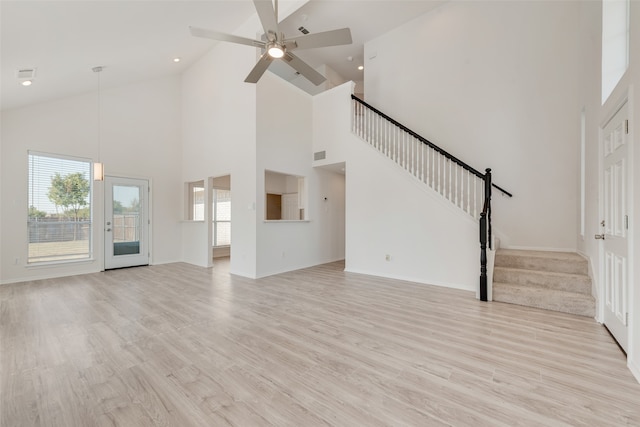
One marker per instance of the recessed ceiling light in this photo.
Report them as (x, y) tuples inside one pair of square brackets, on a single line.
[(360, 67), (176, 59), (26, 75)]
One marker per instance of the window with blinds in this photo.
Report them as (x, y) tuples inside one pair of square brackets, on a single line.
[(59, 215), (196, 201), (221, 217)]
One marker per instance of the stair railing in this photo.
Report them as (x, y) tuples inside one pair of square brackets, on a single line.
[(461, 184)]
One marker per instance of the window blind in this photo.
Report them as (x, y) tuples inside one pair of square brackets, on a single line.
[(221, 217), (59, 208)]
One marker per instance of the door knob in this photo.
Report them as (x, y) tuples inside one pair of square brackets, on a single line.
[(108, 229), (599, 236)]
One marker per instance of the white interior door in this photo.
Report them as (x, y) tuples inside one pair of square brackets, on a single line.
[(615, 264), (126, 231)]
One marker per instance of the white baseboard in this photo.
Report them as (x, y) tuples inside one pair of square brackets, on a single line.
[(635, 370), (414, 280)]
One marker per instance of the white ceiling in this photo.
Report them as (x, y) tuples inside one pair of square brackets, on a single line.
[(367, 20), (137, 40)]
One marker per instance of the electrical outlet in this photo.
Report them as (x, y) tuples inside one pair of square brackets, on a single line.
[(387, 257), (282, 254), (16, 261)]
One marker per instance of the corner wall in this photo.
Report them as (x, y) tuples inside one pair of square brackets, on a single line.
[(139, 122), (284, 144), (219, 138), (388, 212)]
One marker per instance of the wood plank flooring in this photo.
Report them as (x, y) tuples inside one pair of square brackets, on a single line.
[(178, 345)]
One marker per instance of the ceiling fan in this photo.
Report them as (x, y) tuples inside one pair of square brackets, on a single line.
[(276, 46)]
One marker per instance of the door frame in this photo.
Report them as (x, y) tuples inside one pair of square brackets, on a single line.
[(149, 215), (625, 99)]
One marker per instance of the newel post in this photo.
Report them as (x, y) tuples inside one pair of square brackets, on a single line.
[(483, 256), (485, 234), (487, 197)]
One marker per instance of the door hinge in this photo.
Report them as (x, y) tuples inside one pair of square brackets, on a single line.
[(626, 126), (626, 222), (626, 319), (149, 221)]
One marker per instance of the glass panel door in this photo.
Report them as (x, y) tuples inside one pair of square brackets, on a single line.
[(126, 222)]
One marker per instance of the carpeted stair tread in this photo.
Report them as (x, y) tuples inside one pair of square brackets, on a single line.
[(569, 282), (548, 299), (561, 262)]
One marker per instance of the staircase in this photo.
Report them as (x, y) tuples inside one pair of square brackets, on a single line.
[(555, 281), (467, 188), (549, 280)]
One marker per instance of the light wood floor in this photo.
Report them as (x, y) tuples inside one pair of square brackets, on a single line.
[(178, 345)]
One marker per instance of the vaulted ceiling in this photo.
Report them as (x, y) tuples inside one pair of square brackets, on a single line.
[(137, 40)]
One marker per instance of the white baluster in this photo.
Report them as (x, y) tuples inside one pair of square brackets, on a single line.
[(426, 166), (387, 137), (451, 180), (355, 117), (438, 176), (421, 161), (462, 172), (411, 155), (365, 123), (455, 184), (429, 166), (469, 192), (377, 131), (475, 198), (360, 129)]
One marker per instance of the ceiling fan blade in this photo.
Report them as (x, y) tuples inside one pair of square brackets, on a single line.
[(303, 68), (224, 37), (257, 72), (326, 38), (268, 19)]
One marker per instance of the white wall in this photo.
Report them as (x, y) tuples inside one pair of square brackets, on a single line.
[(219, 138), (494, 83), (140, 138), (389, 212), (284, 123), (333, 79), (332, 124)]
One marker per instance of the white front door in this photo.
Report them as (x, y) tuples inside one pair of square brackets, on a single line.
[(126, 231), (615, 262)]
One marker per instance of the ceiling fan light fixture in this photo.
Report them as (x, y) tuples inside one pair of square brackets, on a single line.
[(275, 50)]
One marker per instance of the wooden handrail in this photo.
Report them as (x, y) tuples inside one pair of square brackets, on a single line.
[(429, 143)]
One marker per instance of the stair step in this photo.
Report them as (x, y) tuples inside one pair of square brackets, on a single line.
[(568, 282), (560, 262), (548, 299)]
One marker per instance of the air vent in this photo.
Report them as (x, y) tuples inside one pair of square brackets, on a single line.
[(303, 30), (319, 155), (26, 73)]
